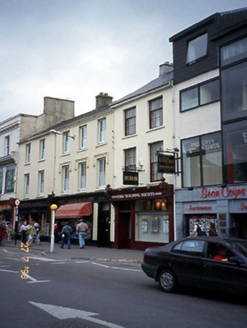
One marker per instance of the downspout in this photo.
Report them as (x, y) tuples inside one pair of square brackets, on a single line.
[(174, 146)]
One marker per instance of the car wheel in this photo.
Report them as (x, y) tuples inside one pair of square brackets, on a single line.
[(167, 281)]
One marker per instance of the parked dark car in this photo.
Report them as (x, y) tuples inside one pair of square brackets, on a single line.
[(191, 262)]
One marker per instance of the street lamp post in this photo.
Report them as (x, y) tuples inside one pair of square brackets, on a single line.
[(53, 211)]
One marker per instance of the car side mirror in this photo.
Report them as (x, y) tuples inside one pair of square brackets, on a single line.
[(235, 259)]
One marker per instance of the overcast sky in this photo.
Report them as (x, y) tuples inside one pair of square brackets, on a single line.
[(75, 49)]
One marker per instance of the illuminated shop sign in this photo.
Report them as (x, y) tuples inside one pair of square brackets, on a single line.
[(227, 192), (139, 195), (199, 208)]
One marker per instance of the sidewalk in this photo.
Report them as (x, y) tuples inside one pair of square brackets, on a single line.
[(87, 253)]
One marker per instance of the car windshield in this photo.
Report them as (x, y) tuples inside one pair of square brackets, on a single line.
[(240, 246)]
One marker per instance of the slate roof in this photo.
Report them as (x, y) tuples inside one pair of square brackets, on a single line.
[(161, 81)]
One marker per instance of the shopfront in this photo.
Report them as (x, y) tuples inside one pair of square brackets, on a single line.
[(143, 216), (226, 206), (7, 211)]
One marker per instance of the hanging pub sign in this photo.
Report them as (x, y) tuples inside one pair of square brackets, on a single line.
[(166, 162), (130, 178)]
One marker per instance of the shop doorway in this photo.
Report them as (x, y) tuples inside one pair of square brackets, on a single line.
[(104, 225), (124, 230), (239, 226)]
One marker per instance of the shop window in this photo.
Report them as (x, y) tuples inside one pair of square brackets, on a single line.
[(197, 48), (154, 148), (202, 160), (235, 152), (152, 227), (156, 112), (200, 95), (130, 121), (234, 92)]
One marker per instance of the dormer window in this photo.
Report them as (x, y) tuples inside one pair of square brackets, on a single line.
[(197, 48)]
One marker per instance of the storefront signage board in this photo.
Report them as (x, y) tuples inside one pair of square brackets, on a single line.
[(130, 178), (166, 163)]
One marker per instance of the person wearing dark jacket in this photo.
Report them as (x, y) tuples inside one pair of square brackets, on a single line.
[(66, 233)]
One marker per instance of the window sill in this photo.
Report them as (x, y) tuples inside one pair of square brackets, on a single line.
[(156, 128)]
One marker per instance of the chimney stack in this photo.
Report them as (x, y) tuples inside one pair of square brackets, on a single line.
[(166, 68), (103, 100)]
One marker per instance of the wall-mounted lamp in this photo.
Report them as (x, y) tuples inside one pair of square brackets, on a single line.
[(60, 133), (160, 205)]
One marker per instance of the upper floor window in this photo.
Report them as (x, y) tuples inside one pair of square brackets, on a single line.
[(130, 159), (82, 175), (130, 121), (202, 160), (65, 178), (235, 152), (26, 184), (156, 113), (83, 136), (42, 149), (155, 175), (197, 48), (200, 95), (234, 91), (41, 182), (66, 147), (234, 52), (9, 178), (6, 145), (102, 130), (28, 153), (101, 172), (1, 179)]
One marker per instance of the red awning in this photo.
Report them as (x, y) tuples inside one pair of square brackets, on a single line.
[(73, 211)]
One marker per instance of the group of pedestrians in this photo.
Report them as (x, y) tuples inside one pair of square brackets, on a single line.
[(30, 233), (81, 228), (199, 230)]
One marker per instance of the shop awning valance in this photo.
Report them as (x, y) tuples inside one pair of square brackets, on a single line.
[(73, 211)]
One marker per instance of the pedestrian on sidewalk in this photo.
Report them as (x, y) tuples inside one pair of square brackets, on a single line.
[(66, 232), (24, 232), (82, 229), (37, 229)]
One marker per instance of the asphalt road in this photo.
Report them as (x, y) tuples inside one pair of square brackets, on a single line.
[(39, 291)]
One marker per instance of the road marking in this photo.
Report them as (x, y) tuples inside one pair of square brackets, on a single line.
[(44, 259), (81, 261), (116, 268), (9, 271), (61, 312), (58, 263), (102, 265), (35, 281)]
